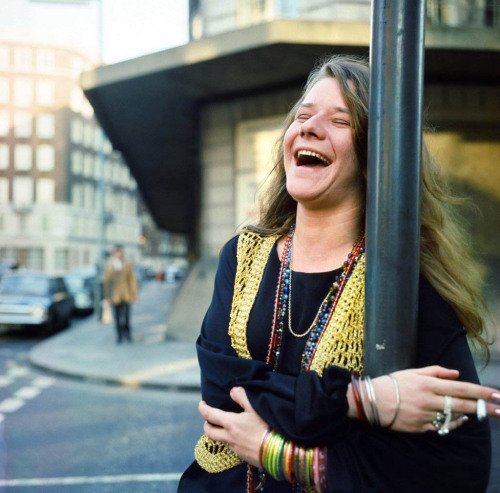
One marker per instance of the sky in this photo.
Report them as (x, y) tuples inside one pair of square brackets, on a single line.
[(130, 27)]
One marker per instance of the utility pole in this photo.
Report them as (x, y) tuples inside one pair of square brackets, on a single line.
[(393, 194)]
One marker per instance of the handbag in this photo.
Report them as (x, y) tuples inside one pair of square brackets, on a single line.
[(106, 313)]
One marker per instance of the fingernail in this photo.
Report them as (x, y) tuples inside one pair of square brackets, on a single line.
[(465, 418), (496, 395)]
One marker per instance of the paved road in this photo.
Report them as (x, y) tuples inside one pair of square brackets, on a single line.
[(65, 436)]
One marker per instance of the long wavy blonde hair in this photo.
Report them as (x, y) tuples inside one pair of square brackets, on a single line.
[(445, 258)]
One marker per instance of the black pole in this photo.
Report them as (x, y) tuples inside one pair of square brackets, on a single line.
[(393, 196)]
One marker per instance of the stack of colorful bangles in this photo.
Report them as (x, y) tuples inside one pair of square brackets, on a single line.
[(283, 459), (368, 413)]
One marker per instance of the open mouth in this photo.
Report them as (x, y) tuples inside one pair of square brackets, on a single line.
[(311, 158)]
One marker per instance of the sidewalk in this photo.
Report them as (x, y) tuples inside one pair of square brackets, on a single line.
[(155, 359)]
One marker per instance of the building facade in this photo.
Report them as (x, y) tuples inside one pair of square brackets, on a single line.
[(50, 169), (229, 89)]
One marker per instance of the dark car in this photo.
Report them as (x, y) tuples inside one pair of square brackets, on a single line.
[(34, 300), (82, 288)]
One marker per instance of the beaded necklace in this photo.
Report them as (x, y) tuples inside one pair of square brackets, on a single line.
[(325, 311), (315, 330)]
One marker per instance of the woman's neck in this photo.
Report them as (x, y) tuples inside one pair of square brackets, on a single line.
[(323, 239)]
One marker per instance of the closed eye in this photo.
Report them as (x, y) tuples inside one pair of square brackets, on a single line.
[(302, 116), (342, 122)]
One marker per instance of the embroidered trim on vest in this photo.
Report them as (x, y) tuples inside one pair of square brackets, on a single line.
[(341, 344)]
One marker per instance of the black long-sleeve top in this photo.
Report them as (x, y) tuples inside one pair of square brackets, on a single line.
[(312, 410)]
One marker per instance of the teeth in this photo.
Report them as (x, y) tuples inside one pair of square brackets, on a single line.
[(314, 154)]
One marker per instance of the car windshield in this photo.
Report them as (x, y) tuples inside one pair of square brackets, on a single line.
[(29, 285), (75, 283)]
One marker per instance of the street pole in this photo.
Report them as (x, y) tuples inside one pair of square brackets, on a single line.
[(101, 185), (393, 193)]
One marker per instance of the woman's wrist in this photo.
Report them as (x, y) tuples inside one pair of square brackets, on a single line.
[(282, 459)]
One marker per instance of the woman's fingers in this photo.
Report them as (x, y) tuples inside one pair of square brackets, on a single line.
[(438, 372), (211, 414), (239, 396)]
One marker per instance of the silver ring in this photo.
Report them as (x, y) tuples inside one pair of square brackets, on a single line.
[(444, 429), (481, 409), (438, 420)]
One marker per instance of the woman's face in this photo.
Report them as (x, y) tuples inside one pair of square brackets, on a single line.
[(320, 162)]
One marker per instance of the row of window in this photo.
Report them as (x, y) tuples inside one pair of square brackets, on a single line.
[(89, 135), (26, 190), (37, 59), (23, 157), (27, 92), (85, 196), (23, 123), (88, 165)]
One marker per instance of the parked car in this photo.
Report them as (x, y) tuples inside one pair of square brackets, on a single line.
[(82, 288), (35, 300), (174, 272)]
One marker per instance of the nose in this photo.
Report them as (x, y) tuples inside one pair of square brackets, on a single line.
[(312, 127)]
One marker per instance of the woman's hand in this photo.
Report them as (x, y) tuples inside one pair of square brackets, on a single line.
[(242, 432), (422, 395)]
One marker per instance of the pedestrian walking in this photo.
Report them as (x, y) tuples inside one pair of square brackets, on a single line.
[(120, 290), (286, 402)]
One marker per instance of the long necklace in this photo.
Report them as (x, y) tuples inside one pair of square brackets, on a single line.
[(324, 314), (316, 329)]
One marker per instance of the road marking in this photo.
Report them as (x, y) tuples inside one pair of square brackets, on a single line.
[(165, 369), (43, 382), (27, 392), (17, 371), (10, 405), (125, 478), (2, 417), (5, 381)]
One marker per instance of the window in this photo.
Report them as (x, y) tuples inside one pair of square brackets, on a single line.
[(88, 199), (45, 60), (4, 58), (76, 100), (4, 156), (45, 157), (255, 140), (34, 258), (22, 190), (76, 131), (22, 124), (23, 92), (23, 59), (61, 257), (76, 162), (76, 195), (4, 90), (88, 135), (23, 157), (4, 123), (4, 190), (45, 92), (45, 191), (45, 125), (88, 164)]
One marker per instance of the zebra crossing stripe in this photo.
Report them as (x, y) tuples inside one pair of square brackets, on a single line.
[(124, 478), (10, 405)]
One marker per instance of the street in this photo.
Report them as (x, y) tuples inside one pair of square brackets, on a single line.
[(61, 435)]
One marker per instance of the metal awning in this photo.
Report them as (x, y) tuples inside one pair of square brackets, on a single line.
[(149, 106)]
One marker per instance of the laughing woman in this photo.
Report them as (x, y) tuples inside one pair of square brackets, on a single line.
[(286, 404)]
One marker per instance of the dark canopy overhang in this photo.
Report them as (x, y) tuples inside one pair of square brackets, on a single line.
[(148, 106)]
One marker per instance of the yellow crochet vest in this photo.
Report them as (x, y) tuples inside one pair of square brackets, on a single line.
[(340, 345)]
